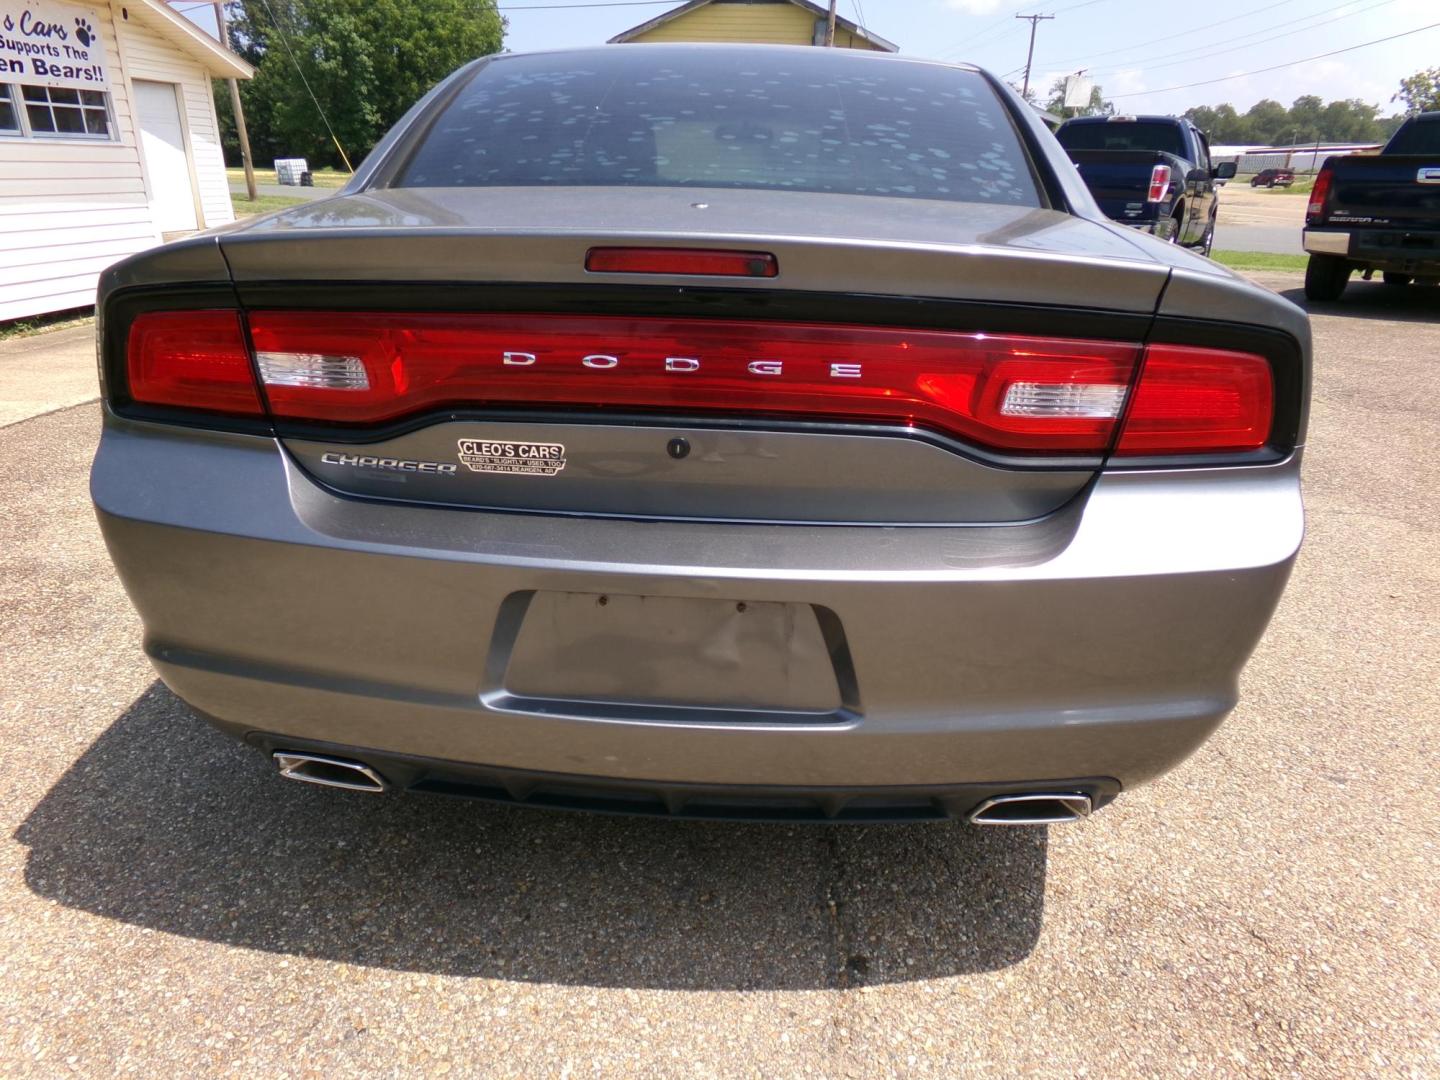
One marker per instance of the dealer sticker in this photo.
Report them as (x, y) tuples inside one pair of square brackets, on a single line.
[(522, 458)]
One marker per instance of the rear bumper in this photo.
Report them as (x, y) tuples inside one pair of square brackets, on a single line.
[(679, 799), (1323, 242), (1104, 641), (1398, 250)]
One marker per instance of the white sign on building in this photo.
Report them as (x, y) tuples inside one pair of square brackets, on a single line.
[(109, 142), (44, 43)]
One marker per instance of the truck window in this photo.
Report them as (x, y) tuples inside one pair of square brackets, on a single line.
[(1416, 137), (1202, 145), (1123, 135)]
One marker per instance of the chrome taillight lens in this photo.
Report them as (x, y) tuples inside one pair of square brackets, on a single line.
[(1159, 184)]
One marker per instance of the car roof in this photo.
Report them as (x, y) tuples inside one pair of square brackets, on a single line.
[(758, 52), (1126, 118)]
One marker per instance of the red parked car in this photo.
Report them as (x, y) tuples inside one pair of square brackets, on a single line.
[(1273, 178)]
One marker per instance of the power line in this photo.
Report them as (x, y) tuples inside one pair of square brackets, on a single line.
[(1277, 67), (1171, 37), (969, 44), (1189, 59), (1003, 24), (301, 72), (1007, 28)]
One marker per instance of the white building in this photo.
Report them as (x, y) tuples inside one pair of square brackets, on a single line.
[(1303, 157), (108, 142)]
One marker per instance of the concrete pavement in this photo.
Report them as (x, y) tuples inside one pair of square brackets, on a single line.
[(47, 371), (285, 190), (1254, 219), (1270, 239), (1272, 908)]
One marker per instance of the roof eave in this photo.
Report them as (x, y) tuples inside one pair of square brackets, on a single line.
[(217, 60), (684, 9)]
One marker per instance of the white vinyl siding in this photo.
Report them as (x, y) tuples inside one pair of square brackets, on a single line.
[(69, 208)]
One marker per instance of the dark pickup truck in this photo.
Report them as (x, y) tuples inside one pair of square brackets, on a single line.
[(1377, 212), (1149, 172)]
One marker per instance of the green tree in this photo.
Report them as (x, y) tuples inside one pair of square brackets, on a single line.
[(1308, 119), (366, 61), (1222, 123), (1421, 91), (1266, 121), (1097, 105), (1351, 120)]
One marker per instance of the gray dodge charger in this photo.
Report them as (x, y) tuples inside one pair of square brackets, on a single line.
[(711, 431)]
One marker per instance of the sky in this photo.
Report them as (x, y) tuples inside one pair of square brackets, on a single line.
[(1130, 47)]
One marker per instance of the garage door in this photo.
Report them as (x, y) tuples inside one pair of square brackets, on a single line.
[(162, 140)]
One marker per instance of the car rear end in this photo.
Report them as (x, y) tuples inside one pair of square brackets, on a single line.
[(1133, 167), (1378, 213), (684, 493)]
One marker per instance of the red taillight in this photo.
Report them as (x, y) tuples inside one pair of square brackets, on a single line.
[(191, 360), (1011, 393), (1159, 183), (716, 263), (1199, 401), (1019, 394), (1318, 194)]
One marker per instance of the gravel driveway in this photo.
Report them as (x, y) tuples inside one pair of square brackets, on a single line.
[(169, 907)]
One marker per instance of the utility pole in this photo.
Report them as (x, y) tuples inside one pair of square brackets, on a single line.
[(830, 26), (1035, 20), (224, 34)]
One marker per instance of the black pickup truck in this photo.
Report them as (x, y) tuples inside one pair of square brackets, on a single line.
[(1149, 172), (1377, 212)]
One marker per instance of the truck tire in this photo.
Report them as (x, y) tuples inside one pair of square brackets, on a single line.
[(1326, 277), (1392, 278)]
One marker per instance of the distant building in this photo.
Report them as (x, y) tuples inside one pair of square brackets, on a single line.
[(765, 22), (108, 142), (1303, 157)]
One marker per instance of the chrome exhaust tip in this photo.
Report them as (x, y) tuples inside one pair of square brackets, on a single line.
[(1032, 808), (328, 772)]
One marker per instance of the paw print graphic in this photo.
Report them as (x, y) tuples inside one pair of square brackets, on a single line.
[(84, 32)]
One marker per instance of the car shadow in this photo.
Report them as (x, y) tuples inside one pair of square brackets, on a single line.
[(1375, 300), (166, 824)]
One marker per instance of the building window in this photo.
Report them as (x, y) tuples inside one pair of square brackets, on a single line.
[(9, 118), (74, 114), (50, 112)]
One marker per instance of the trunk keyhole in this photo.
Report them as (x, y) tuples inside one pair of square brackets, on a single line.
[(678, 448)]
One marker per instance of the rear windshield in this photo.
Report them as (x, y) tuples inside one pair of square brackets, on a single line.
[(1416, 137), (1122, 135), (646, 116)]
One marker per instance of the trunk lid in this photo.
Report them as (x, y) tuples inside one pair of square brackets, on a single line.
[(853, 266), (1120, 179)]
